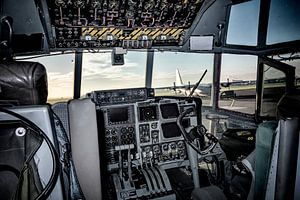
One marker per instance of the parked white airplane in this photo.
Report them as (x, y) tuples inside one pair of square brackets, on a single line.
[(180, 87)]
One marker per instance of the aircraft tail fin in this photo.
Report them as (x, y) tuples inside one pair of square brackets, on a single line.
[(179, 81)]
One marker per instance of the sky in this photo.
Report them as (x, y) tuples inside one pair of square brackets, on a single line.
[(99, 74)]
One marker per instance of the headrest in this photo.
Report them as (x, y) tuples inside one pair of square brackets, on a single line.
[(23, 82), (289, 106)]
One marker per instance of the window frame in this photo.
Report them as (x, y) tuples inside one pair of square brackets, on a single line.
[(261, 48), (289, 72)]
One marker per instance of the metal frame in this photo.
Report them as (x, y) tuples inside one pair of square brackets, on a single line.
[(77, 74), (149, 68), (46, 23), (216, 81), (261, 48), (288, 70)]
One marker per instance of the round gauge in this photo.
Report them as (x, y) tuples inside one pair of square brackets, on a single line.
[(60, 3), (123, 130), (149, 113), (178, 7), (96, 4), (79, 3), (149, 5), (202, 129), (141, 92), (112, 4), (131, 129), (180, 144)]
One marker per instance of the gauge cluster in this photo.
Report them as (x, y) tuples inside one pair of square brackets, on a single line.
[(140, 139), (148, 130)]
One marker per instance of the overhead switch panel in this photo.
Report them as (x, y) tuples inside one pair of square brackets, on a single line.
[(121, 23)]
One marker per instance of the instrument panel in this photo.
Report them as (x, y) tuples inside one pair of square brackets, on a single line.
[(149, 129), (140, 140), (109, 97), (121, 23)]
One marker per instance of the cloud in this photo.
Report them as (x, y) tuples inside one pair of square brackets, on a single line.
[(98, 66), (60, 84)]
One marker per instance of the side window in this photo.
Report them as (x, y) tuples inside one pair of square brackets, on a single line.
[(284, 20), (238, 83), (293, 60), (243, 23), (274, 86)]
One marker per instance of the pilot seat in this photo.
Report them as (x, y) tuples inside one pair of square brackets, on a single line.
[(32, 165)]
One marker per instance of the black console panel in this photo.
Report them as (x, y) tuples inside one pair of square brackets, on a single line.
[(142, 140), (109, 97), (121, 23), (147, 129)]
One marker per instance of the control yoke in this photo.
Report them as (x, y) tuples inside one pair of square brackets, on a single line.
[(195, 134)]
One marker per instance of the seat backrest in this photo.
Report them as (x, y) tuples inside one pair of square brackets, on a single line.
[(288, 112), (265, 136), (85, 146), (23, 82), (277, 151)]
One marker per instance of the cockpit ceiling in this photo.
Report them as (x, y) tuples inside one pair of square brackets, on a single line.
[(121, 23)]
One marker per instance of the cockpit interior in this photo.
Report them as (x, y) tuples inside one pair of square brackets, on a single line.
[(157, 99)]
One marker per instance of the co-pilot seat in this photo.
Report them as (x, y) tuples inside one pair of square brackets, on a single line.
[(275, 167), (23, 90)]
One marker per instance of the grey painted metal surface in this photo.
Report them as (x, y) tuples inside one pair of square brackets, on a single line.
[(149, 69), (270, 193), (297, 185), (85, 146), (40, 116)]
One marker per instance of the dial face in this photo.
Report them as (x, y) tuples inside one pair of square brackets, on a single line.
[(141, 92), (60, 3), (80, 3), (113, 4), (202, 130), (96, 4), (149, 5)]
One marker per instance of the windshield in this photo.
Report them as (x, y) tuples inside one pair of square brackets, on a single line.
[(98, 73), (175, 74)]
